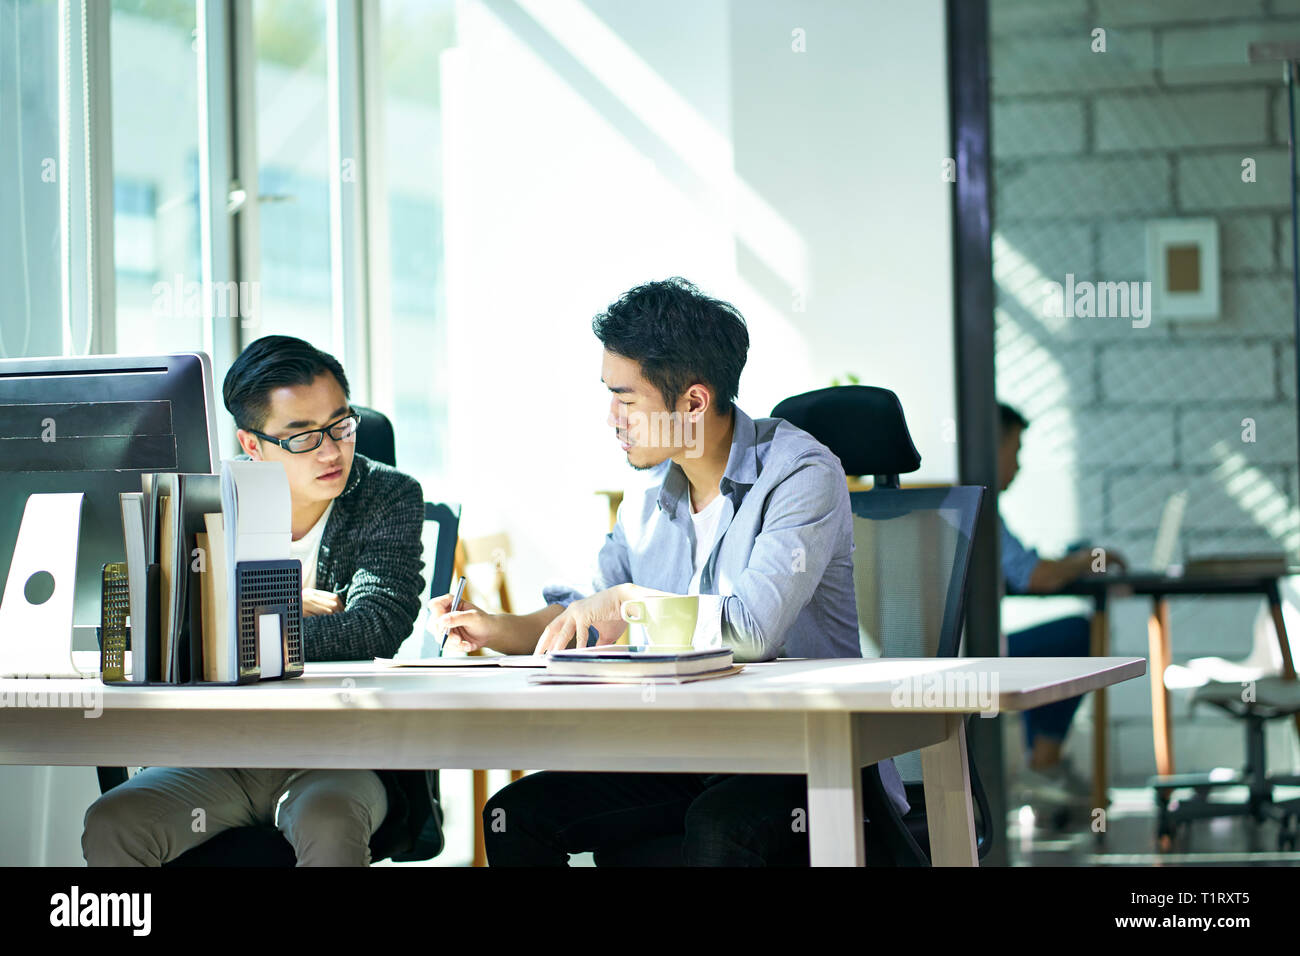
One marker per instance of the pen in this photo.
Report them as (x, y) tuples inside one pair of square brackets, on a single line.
[(455, 606)]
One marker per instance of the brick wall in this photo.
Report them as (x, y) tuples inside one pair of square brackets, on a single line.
[(1089, 146)]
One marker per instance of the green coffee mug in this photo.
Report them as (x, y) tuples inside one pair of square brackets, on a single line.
[(669, 621)]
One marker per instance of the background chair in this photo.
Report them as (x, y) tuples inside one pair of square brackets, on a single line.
[(1254, 703), (912, 556), (491, 549), (1254, 691), (265, 846)]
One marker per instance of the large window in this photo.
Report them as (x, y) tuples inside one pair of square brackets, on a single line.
[(292, 94), (156, 176), (30, 233), (414, 34)]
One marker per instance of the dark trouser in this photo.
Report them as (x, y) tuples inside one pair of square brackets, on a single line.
[(1066, 637), (721, 819)]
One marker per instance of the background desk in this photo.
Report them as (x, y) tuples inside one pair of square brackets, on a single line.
[(1158, 587), (825, 718)]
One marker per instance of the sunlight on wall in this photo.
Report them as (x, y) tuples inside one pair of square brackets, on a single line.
[(1030, 377), (1257, 495), (537, 177), (705, 150)]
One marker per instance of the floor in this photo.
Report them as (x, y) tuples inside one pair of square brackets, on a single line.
[(1129, 838)]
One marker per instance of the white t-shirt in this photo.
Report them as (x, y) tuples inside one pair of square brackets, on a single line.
[(705, 525), (306, 548)]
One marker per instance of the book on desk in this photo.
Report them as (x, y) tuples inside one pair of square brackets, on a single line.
[(636, 665)]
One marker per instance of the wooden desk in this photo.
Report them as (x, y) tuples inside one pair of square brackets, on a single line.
[(1102, 589), (825, 718)]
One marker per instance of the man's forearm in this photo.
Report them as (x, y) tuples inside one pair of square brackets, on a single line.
[(1049, 576), (519, 632)]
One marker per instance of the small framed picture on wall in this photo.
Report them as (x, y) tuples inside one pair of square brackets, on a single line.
[(1183, 268)]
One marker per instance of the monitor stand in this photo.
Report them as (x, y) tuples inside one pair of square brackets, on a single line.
[(37, 610)]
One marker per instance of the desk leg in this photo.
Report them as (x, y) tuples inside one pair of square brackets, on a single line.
[(1284, 643), (1161, 724), (945, 772), (834, 791), (1100, 716), (480, 779)]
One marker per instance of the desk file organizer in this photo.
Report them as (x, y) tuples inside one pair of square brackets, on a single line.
[(268, 592), (115, 605)]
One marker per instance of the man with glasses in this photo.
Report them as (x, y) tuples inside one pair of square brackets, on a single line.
[(356, 528)]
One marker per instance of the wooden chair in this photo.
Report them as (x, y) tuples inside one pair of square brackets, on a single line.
[(495, 550)]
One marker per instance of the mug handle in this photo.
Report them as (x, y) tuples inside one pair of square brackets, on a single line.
[(626, 609)]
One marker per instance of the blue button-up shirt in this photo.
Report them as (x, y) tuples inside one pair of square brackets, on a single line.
[(779, 578), (1018, 562)]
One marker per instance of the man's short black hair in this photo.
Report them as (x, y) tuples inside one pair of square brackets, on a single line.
[(1009, 418), (679, 336), (271, 362)]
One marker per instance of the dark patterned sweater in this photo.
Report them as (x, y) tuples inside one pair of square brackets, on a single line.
[(370, 554)]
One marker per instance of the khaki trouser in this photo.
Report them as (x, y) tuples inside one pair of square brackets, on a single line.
[(328, 816)]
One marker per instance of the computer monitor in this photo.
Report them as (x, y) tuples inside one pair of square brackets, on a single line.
[(94, 424)]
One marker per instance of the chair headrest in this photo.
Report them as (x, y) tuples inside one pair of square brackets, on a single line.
[(862, 424), (375, 437)]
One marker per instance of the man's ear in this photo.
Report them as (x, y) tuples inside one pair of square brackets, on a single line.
[(248, 444), (698, 399)]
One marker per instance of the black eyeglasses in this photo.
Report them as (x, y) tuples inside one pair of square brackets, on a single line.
[(345, 429)]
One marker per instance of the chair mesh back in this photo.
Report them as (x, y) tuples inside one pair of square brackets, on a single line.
[(911, 554)]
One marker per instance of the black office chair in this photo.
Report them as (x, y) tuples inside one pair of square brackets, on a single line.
[(1254, 704), (910, 563), (911, 560), (265, 845)]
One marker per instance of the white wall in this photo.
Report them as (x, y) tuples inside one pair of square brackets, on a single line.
[(591, 147), (44, 808)]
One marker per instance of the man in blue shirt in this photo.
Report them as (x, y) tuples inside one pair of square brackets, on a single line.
[(1049, 779), (751, 515)]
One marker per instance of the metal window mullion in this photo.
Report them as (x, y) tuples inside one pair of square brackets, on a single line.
[(348, 266), (379, 316), (974, 344), (85, 178), (247, 217), (216, 234), (69, 96), (98, 132)]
